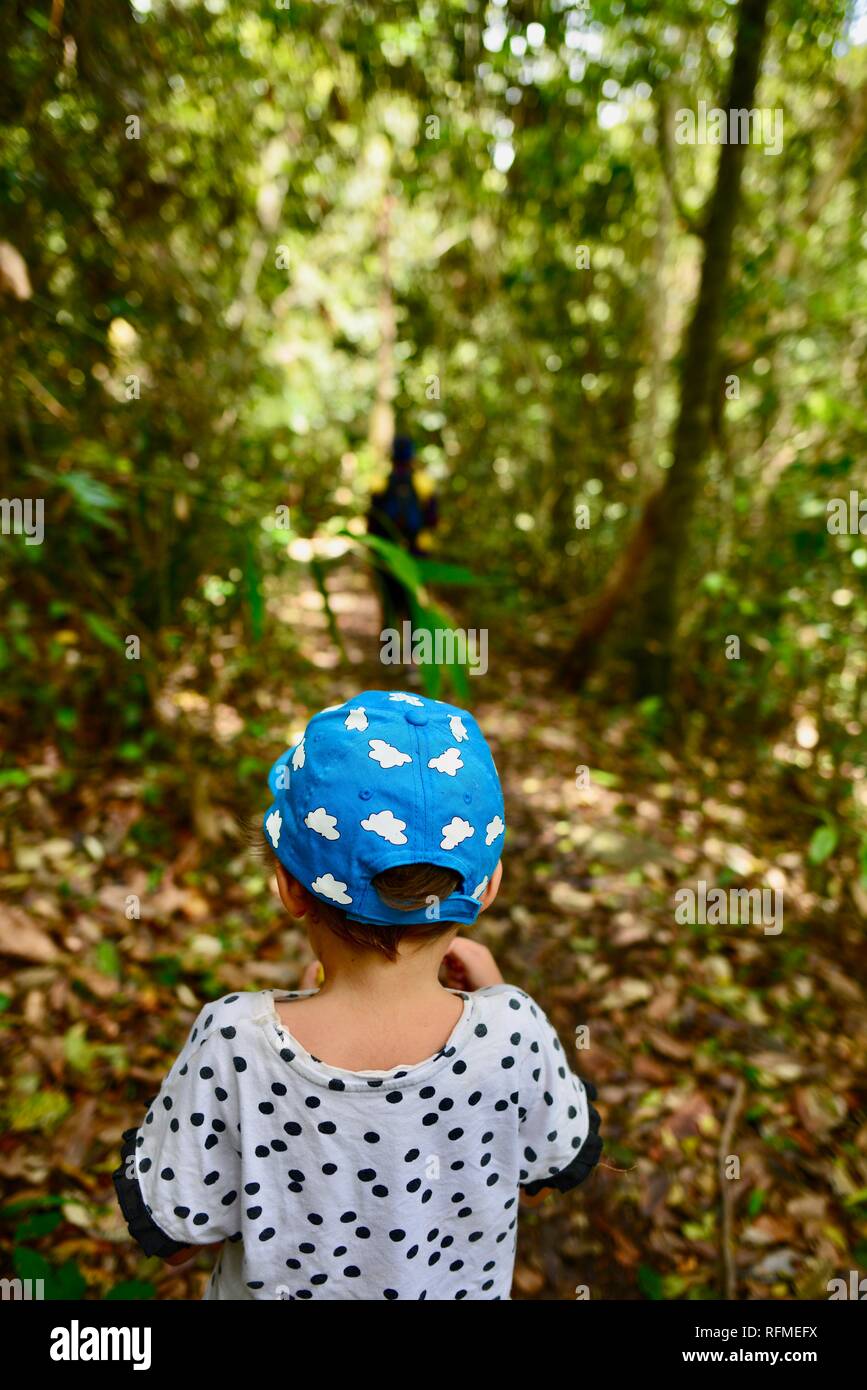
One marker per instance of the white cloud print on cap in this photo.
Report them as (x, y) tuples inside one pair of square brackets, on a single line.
[(449, 761), (386, 824), (385, 755), (329, 887), (493, 829), (456, 832), (320, 821)]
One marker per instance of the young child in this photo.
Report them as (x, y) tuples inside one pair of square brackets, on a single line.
[(369, 1139)]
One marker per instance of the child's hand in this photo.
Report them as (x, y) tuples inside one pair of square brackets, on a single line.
[(469, 965), (181, 1257), (527, 1201)]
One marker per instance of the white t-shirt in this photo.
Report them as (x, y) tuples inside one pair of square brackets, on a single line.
[(332, 1184)]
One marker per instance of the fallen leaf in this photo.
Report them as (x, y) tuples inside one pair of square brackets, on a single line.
[(528, 1281), (668, 1046), (820, 1109), (20, 937), (625, 993)]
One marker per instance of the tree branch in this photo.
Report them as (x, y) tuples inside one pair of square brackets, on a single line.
[(692, 221)]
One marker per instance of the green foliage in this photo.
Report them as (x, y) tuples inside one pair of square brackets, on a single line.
[(32, 1219), (131, 1290), (823, 843), (201, 343), (62, 1283)]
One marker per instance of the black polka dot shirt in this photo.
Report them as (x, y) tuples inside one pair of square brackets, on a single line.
[(332, 1184)]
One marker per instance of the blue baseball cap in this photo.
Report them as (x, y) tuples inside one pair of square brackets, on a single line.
[(385, 779)]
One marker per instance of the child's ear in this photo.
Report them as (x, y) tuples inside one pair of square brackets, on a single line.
[(493, 887), (294, 898)]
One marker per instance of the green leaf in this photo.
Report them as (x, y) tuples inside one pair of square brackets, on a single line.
[(102, 632), (29, 1264), (41, 21), (92, 495), (108, 958), (439, 572), (30, 1204), (428, 618), (76, 1048), (756, 1201), (40, 1223), (94, 498), (62, 1282), (395, 559), (604, 779), (253, 591), (823, 843), (67, 1283), (651, 1283), (14, 777), (130, 1290), (42, 1111)]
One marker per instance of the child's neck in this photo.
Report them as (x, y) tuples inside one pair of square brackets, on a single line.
[(374, 1014), (367, 979)]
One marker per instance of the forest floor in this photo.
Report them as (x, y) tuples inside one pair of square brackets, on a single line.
[(715, 1049)]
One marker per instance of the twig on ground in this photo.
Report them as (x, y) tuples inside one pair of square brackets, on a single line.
[(727, 1190)]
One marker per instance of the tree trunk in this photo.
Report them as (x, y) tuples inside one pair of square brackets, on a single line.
[(656, 550), (381, 428)]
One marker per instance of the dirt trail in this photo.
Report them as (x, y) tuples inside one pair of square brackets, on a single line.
[(602, 830)]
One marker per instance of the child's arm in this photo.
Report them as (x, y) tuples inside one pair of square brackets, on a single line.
[(536, 1200), (470, 965), (180, 1257), (559, 1126), (178, 1183)]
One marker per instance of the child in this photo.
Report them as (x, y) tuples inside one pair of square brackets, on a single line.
[(368, 1139)]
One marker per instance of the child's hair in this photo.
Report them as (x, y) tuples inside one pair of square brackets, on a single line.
[(406, 887)]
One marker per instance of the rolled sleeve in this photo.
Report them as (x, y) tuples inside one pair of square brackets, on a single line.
[(179, 1177), (560, 1128)]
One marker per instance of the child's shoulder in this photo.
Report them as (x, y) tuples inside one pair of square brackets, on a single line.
[(506, 1002), (506, 1009), (219, 1020), (514, 1031), (243, 1003), (507, 992)]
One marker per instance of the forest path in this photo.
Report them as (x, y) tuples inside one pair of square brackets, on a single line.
[(671, 1017)]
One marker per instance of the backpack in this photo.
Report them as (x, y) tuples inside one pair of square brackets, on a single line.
[(400, 503)]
